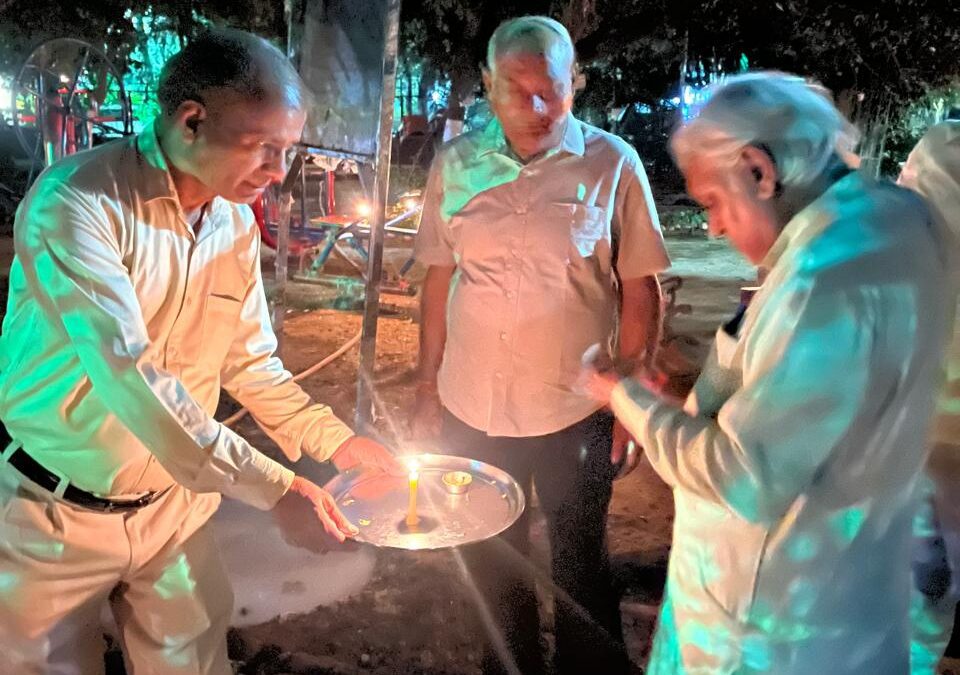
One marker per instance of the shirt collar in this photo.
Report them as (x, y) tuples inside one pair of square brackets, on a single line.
[(805, 225), (155, 179), (493, 140)]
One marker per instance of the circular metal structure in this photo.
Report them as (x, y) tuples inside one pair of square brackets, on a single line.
[(66, 95), (381, 505)]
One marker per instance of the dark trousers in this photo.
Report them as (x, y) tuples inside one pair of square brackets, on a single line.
[(573, 476)]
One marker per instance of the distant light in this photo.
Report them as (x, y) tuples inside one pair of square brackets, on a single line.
[(688, 95), (436, 96), (363, 208), (64, 78), (411, 204), (675, 100)]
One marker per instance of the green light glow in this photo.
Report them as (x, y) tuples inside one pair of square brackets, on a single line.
[(176, 579)]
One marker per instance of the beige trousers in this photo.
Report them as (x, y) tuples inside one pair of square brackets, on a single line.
[(158, 567)]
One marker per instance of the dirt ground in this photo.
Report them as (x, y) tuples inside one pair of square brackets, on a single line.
[(415, 614)]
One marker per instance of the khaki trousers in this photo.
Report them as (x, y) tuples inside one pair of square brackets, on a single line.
[(158, 567)]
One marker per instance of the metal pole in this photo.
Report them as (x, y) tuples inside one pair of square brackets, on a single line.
[(303, 199), (371, 302), (279, 311)]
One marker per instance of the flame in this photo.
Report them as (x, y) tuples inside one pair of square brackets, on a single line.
[(413, 466), (363, 208)]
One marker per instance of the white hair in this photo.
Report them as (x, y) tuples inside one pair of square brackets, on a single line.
[(933, 170), (791, 119), (527, 34)]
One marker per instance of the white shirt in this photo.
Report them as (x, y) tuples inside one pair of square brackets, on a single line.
[(795, 461), (122, 325), (536, 249), (933, 170)]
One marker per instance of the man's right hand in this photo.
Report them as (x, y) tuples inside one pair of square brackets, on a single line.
[(427, 414), (294, 513)]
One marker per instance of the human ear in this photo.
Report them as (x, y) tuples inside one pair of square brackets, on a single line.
[(487, 78), (188, 118), (579, 78), (763, 171)]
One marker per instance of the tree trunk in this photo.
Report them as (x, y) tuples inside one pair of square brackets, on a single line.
[(460, 88), (580, 18), (428, 76)]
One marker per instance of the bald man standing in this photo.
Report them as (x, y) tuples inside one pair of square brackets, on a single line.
[(541, 239), (135, 296)]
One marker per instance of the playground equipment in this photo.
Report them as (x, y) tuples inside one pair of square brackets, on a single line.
[(67, 96)]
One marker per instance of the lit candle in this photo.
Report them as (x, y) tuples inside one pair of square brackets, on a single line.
[(412, 518)]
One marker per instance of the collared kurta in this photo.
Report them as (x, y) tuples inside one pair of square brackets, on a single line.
[(122, 326), (537, 248), (795, 461), (933, 170)]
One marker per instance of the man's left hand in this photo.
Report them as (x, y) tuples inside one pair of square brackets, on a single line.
[(624, 448), (360, 450)]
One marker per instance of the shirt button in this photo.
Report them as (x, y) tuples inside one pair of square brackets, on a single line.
[(509, 294), (503, 335)]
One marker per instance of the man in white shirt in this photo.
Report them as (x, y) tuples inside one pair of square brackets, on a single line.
[(933, 170), (795, 460), (134, 296), (541, 238)]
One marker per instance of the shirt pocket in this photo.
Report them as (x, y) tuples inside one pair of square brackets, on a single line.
[(221, 314), (715, 559), (586, 226)]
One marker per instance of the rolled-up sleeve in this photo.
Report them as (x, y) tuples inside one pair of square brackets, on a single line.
[(642, 252), (72, 261), (255, 376), (769, 439), (433, 245)]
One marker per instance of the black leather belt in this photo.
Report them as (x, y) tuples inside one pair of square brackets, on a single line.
[(49, 481)]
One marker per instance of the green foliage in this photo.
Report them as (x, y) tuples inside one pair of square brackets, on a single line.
[(157, 42), (118, 27), (683, 221), (880, 59), (908, 127), (872, 55)]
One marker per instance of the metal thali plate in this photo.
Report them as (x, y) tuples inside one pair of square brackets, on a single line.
[(449, 513)]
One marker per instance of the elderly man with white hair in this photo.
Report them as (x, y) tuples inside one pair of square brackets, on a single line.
[(933, 170), (795, 460), (540, 237)]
